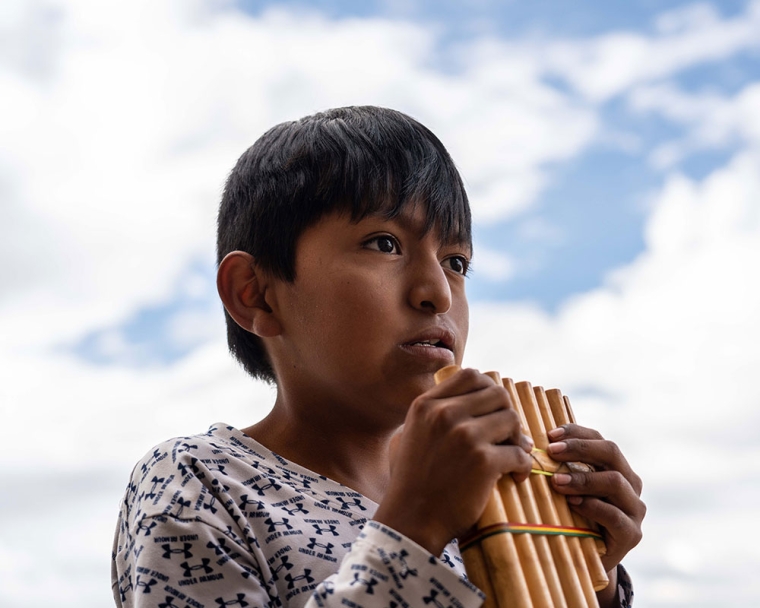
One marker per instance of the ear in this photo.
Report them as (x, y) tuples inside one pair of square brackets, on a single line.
[(244, 290)]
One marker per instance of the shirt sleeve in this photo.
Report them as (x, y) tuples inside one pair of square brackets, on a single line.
[(385, 568), (624, 587)]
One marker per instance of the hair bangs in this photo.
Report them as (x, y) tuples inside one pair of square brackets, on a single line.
[(385, 169)]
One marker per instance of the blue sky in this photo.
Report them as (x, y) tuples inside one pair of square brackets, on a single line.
[(510, 18)]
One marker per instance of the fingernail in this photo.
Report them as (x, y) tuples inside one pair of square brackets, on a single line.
[(529, 441), (556, 433), (562, 479), (556, 448), (575, 500)]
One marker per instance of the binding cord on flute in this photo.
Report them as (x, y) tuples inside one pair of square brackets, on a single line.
[(529, 549)]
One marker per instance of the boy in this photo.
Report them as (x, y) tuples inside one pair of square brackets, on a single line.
[(343, 246)]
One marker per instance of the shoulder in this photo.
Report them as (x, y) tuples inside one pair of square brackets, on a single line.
[(175, 474)]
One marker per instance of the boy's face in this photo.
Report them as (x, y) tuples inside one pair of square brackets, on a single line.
[(375, 310)]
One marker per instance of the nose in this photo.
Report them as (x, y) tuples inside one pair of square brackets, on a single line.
[(430, 290)]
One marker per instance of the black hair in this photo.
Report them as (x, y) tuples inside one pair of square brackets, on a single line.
[(359, 160)]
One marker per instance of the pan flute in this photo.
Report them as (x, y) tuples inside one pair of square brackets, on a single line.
[(529, 549)]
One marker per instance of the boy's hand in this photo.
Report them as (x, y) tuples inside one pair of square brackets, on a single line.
[(458, 439), (610, 496)]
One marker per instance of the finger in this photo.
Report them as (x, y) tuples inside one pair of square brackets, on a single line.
[(599, 452), (511, 459), (609, 485), (618, 526), (568, 431), (479, 402), (499, 427), (463, 381)]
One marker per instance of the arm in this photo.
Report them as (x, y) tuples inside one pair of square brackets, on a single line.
[(167, 562)]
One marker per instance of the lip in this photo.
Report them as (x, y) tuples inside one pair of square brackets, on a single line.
[(430, 353), (445, 351)]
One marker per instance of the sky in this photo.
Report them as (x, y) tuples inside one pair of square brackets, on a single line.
[(612, 156)]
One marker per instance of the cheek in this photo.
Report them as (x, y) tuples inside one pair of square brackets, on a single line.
[(361, 292), (352, 307)]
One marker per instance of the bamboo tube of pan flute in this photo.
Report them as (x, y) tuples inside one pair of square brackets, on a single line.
[(596, 570), (549, 503), (477, 573), (533, 514), (565, 514), (538, 587)]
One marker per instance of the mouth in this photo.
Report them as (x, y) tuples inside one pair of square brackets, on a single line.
[(434, 339), (429, 344)]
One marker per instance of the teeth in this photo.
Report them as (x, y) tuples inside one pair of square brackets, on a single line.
[(428, 342)]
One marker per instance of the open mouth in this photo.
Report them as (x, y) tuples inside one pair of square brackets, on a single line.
[(430, 344), (433, 338)]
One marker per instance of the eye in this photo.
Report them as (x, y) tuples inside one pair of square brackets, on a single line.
[(383, 243), (458, 263)]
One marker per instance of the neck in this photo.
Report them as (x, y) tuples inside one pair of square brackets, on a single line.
[(330, 441)]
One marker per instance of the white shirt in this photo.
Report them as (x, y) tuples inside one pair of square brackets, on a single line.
[(218, 520)]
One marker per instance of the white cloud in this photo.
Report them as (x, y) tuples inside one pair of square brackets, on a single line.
[(191, 328), (607, 65), (493, 265), (712, 120)]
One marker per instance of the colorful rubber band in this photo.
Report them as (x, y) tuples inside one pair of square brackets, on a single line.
[(541, 472)]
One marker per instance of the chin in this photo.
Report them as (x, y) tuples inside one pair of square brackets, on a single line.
[(419, 385)]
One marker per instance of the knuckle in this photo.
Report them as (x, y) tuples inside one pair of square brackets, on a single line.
[(464, 435), (623, 522), (580, 480), (470, 375), (481, 457), (500, 394), (441, 417), (617, 482), (614, 450), (512, 419), (421, 407), (524, 460)]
